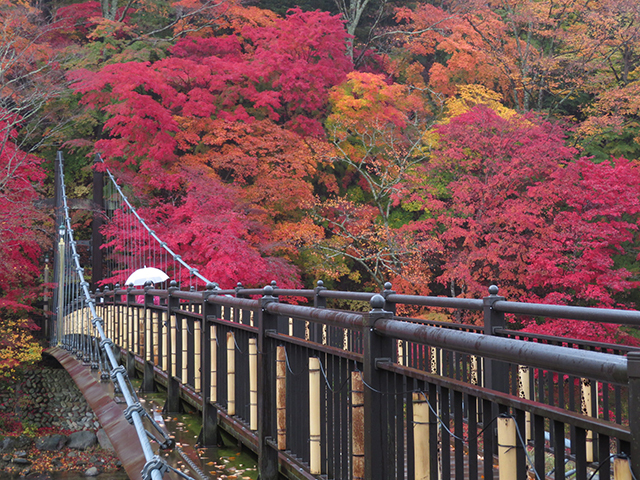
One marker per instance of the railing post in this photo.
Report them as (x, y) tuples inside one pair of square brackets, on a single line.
[(318, 301), (377, 421), (283, 322), (131, 356), (172, 404), (148, 385), (391, 307), (633, 370), (98, 220), (267, 454), (496, 372), (236, 313), (209, 434), (388, 306), (315, 329)]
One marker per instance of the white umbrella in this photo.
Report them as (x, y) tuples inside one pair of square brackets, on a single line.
[(143, 275)]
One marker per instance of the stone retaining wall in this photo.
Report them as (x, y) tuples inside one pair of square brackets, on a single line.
[(48, 397)]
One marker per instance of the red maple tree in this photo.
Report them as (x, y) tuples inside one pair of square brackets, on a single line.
[(242, 111)]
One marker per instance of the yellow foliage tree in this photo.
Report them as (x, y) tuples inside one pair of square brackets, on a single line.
[(18, 347)]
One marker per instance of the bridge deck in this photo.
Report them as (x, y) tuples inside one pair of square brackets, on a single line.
[(122, 435)]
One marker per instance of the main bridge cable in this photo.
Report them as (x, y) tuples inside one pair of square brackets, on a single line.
[(193, 272), (155, 467)]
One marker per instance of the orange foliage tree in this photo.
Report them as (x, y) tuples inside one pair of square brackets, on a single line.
[(376, 128)]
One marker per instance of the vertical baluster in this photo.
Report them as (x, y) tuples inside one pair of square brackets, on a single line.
[(253, 384), (231, 374), (197, 340), (507, 448), (357, 426), (314, 415), (281, 397), (421, 448)]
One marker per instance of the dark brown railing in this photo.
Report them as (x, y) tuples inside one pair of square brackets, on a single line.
[(346, 395)]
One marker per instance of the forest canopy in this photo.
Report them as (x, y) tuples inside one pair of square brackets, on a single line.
[(441, 146)]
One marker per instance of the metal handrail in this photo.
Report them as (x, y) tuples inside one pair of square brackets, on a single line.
[(597, 365), (154, 466), (319, 315), (445, 302), (591, 314)]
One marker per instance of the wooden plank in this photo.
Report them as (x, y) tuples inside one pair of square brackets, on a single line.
[(122, 435)]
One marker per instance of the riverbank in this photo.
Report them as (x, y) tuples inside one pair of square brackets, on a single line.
[(47, 427)]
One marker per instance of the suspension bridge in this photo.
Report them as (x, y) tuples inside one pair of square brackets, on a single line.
[(321, 393)]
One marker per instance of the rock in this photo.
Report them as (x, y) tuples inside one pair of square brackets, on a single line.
[(91, 472), (8, 444), (23, 443), (15, 443), (104, 441), (51, 443), (82, 440), (21, 461)]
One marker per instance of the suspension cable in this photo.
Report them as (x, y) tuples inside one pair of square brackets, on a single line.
[(155, 466), (193, 272)]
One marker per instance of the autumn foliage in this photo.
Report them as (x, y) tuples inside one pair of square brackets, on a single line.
[(452, 146), (26, 85)]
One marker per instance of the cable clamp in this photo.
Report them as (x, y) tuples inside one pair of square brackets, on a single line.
[(156, 463), (119, 369), (135, 407), (105, 342), (98, 320)]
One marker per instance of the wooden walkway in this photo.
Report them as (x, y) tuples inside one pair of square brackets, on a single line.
[(110, 414)]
